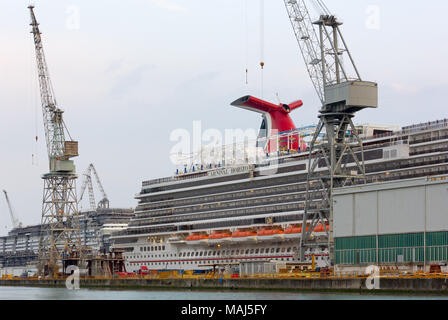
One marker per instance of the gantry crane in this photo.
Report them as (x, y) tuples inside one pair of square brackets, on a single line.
[(87, 182), (342, 93), (15, 222), (60, 236)]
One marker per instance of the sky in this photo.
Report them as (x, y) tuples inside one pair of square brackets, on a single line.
[(129, 73)]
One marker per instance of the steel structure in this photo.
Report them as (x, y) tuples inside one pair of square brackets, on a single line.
[(15, 222), (87, 182), (60, 236), (342, 93)]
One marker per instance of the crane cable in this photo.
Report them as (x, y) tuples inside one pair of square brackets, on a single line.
[(34, 106), (262, 45), (320, 7), (324, 7), (246, 23)]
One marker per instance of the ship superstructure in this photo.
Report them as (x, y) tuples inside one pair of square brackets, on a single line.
[(220, 215)]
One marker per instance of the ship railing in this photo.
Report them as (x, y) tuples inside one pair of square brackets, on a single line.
[(160, 215), (244, 195), (426, 126), (246, 150), (430, 139), (205, 167), (440, 124)]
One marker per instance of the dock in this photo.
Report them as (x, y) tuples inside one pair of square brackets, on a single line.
[(418, 284)]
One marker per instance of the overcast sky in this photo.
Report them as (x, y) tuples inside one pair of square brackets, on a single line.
[(128, 73)]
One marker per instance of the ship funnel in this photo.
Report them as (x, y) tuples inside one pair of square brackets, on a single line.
[(276, 118)]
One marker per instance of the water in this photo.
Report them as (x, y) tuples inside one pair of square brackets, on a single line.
[(30, 293)]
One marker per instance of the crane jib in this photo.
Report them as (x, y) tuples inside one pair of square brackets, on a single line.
[(323, 48), (59, 150)]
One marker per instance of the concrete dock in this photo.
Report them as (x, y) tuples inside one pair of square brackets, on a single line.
[(403, 285)]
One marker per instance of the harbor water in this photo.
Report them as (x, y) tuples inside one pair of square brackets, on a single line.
[(33, 293)]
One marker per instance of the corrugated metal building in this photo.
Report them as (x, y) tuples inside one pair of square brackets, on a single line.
[(398, 222)]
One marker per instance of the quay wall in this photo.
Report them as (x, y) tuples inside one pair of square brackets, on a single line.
[(417, 285)]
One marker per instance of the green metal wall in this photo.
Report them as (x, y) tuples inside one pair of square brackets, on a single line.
[(392, 248)]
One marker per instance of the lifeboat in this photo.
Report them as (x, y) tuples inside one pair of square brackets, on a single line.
[(268, 234), (239, 236), (320, 228), (196, 238), (296, 231), (220, 236), (293, 232)]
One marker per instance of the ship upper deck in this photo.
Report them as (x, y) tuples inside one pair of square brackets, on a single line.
[(222, 170)]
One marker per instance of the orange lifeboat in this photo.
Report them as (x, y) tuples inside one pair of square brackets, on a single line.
[(296, 231), (320, 228), (219, 235), (270, 232), (243, 234), (197, 237), (293, 230)]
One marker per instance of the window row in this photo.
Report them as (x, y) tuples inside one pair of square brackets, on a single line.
[(152, 248), (205, 262)]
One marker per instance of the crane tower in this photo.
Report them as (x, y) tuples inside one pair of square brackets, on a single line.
[(60, 236), (338, 159)]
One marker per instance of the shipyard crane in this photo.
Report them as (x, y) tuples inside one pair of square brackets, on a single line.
[(342, 93), (87, 182), (60, 238), (15, 222), (322, 47)]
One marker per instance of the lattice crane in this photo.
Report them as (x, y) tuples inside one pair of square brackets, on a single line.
[(87, 182), (15, 222), (60, 236), (342, 93), (322, 47)]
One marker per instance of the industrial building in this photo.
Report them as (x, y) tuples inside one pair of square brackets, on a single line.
[(400, 222)]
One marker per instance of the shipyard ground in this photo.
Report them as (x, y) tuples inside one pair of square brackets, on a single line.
[(355, 285)]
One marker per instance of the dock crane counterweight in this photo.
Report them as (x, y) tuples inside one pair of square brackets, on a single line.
[(60, 236), (342, 93)]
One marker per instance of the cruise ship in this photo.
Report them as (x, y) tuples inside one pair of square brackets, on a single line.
[(222, 214)]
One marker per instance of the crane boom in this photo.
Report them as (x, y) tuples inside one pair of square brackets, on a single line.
[(104, 203), (52, 115), (322, 47), (14, 220), (87, 182), (308, 42)]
